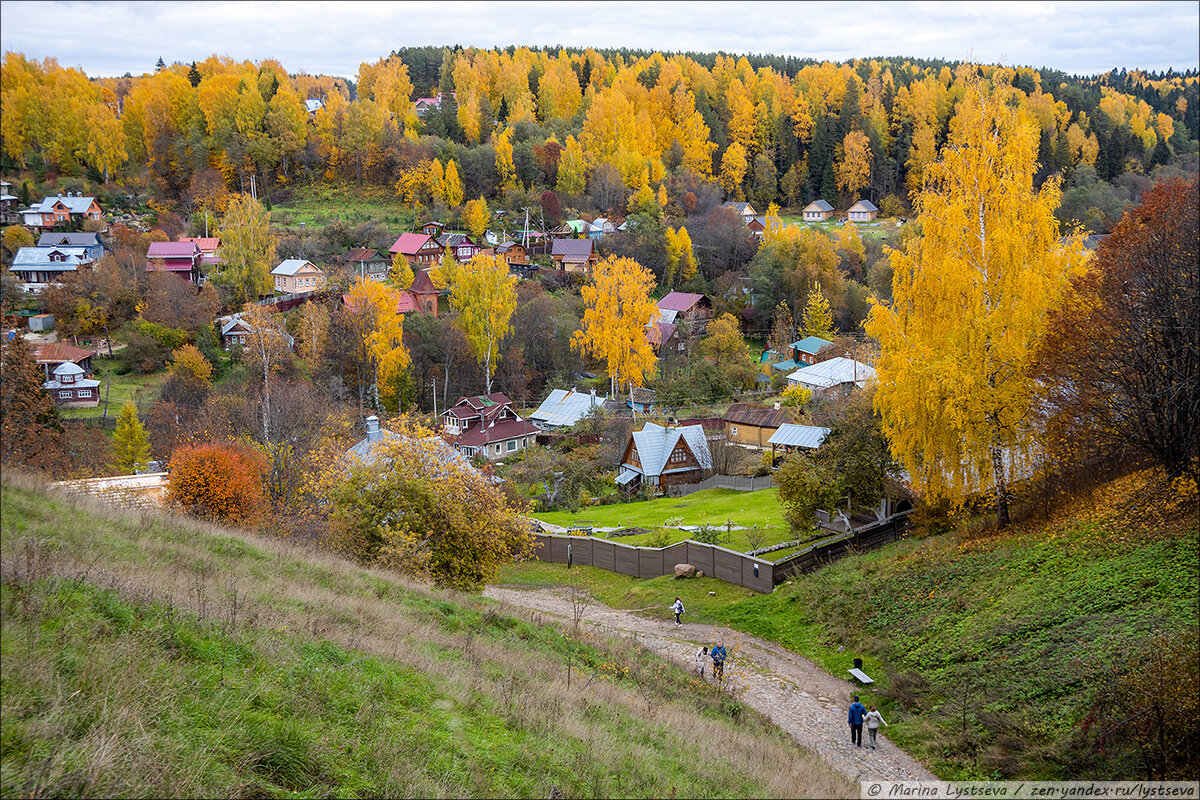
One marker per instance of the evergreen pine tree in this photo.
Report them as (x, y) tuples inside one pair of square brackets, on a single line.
[(194, 76), (160, 65), (130, 445)]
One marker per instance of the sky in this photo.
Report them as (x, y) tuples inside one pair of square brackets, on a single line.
[(112, 38)]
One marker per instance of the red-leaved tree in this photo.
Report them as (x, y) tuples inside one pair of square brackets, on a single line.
[(219, 482)]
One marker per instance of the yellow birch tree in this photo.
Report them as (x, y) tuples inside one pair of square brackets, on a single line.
[(617, 309), (485, 296), (971, 298)]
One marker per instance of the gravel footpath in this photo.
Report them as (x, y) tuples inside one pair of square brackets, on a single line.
[(793, 692)]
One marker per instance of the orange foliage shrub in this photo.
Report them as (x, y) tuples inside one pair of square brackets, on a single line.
[(219, 482)]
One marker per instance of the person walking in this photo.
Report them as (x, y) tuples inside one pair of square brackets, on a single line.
[(857, 711), (701, 661), (718, 659), (873, 719), (677, 607)]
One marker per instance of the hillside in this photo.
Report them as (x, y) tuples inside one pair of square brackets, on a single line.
[(995, 656), (145, 655)]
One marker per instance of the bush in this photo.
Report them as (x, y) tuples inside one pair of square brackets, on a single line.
[(218, 482)]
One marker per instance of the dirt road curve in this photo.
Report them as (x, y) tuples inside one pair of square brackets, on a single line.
[(796, 694)]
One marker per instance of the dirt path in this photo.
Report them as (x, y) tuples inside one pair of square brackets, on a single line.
[(797, 695)]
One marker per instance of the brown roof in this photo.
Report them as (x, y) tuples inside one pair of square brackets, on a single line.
[(422, 283), (363, 254), (58, 353), (501, 431), (760, 416)]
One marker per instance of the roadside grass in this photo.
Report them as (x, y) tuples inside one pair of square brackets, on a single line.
[(149, 655), (324, 203), (988, 652), (136, 386)]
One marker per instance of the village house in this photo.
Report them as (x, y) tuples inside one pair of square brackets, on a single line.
[(862, 211), (90, 242), (563, 408), (642, 400), (367, 263), (432, 228), (297, 276), (817, 211), (71, 388), (421, 249), (461, 246), (179, 258), (514, 254), (313, 104), (61, 210), (235, 329), (210, 246), (743, 210), (486, 425), (574, 255), (8, 205), (661, 336), (424, 293), (842, 374), (37, 267), (51, 356), (757, 226), (681, 317), (752, 425), (804, 352), (662, 457)]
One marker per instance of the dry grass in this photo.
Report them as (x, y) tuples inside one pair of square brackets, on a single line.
[(628, 723)]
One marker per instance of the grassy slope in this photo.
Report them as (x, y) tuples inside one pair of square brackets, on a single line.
[(321, 204), (1019, 624), (149, 656)]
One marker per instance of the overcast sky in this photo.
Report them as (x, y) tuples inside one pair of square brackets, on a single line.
[(111, 38)]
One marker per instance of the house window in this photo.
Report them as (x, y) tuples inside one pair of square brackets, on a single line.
[(64, 395), (733, 430), (512, 445), (85, 393), (468, 451), (497, 448)]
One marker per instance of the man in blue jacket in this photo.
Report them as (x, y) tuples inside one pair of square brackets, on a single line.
[(718, 657), (857, 712)]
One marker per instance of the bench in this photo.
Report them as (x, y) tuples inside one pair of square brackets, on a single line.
[(860, 676)]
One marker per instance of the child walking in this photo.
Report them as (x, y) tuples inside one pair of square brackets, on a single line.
[(873, 719)]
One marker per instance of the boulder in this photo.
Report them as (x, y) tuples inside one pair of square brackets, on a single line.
[(699, 573), (685, 571)]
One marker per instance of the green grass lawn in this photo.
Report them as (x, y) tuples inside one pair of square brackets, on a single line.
[(714, 507), (322, 204), (136, 386), (1024, 629)]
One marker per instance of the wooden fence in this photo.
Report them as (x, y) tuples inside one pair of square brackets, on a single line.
[(720, 562), (736, 482)]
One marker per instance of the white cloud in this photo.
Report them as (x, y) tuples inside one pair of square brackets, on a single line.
[(110, 38)]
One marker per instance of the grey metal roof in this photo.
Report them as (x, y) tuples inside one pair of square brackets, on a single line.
[(654, 445), (69, 239), (37, 259), (292, 266), (790, 435), (866, 205), (833, 372), (563, 408), (820, 205), (75, 203)]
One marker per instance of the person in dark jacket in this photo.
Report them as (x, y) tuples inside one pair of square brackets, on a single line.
[(718, 658), (857, 712)]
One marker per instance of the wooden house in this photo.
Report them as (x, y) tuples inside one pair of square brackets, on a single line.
[(61, 210), (70, 387), (367, 263), (179, 258), (817, 211), (486, 425), (743, 210), (515, 254), (862, 211), (421, 250), (661, 457), (52, 356), (297, 276), (574, 255), (752, 425)]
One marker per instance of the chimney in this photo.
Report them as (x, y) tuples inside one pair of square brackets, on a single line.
[(373, 434)]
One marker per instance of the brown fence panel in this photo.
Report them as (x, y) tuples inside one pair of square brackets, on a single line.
[(675, 554), (581, 551), (626, 561), (558, 549), (763, 581), (604, 555), (700, 556), (727, 566), (650, 563), (541, 547)]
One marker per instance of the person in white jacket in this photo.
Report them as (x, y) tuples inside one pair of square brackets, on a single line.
[(677, 607), (701, 660), (873, 719)]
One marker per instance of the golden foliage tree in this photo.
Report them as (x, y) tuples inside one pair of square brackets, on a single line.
[(733, 170), (219, 482), (314, 328), (475, 217), (854, 170), (247, 247), (453, 185), (818, 319), (131, 448), (375, 310), (572, 177), (401, 273), (504, 159), (267, 351), (971, 299), (419, 511), (485, 296), (617, 309)]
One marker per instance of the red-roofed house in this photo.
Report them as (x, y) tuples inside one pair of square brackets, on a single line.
[(421, 249), (50, 356), (367, 263), (424, 293), (181, 258), (485, 425)]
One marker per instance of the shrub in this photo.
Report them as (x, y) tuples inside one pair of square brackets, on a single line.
[(219, 482)]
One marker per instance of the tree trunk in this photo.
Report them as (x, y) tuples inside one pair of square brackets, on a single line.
[(266, 402), (1002, 499)]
